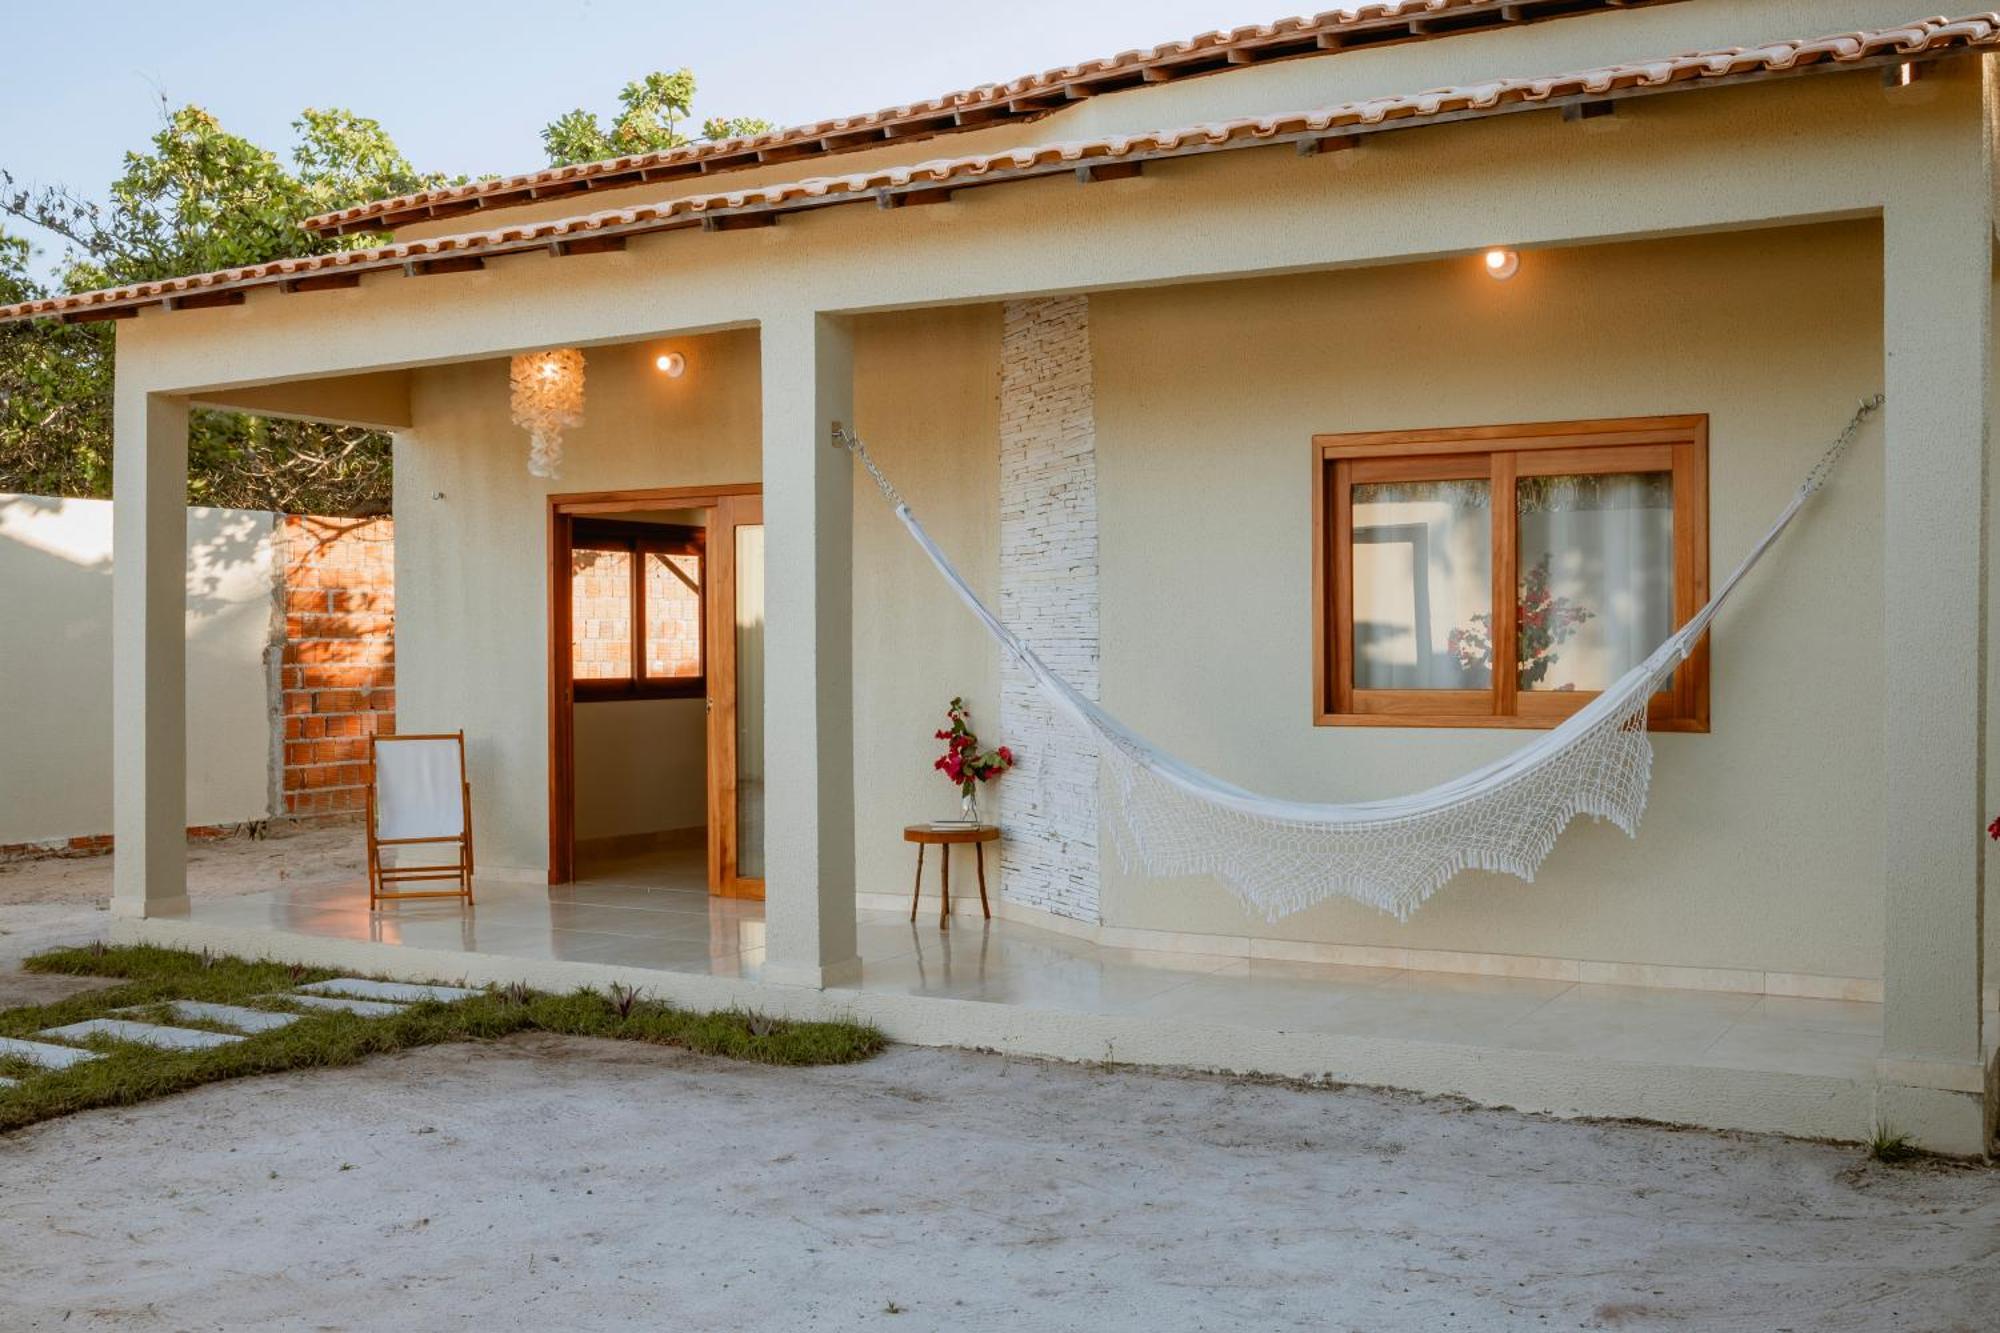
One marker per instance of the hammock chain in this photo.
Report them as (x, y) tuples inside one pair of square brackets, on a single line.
[(1824, 468), (843, 438)]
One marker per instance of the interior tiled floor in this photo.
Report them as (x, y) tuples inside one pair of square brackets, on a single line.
[(655, 912)]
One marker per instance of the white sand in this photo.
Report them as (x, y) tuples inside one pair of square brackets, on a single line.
[(551, 1183)]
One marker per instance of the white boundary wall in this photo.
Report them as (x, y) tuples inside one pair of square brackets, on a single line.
[(55, 667)]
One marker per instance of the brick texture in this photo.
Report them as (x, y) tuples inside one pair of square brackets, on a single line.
[(337, 674), (601, 614), (1048, 594)]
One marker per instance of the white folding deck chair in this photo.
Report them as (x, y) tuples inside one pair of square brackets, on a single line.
[(418, 795)]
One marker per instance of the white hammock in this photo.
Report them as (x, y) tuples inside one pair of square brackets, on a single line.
[(1279, 857)]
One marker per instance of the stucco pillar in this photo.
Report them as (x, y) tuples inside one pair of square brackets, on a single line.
[(808, 384), (149, 654), (1937, 243)]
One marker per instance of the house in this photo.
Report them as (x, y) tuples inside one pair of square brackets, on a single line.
[(1213, 367)]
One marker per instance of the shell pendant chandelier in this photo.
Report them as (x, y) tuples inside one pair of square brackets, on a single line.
[(547, 400)]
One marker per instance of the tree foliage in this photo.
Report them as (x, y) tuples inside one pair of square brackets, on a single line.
[(651, 113), (199, 198)]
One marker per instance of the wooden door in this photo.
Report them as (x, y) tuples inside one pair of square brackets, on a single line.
[(736, 697), (724, 505)]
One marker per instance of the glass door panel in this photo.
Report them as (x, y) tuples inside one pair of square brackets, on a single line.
[(736, 697), (749, 615)]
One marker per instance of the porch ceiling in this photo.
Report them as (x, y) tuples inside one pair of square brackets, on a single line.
[(1327, 130), (1014, 101)]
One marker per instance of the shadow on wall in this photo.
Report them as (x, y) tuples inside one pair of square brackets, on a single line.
[(55, 666)]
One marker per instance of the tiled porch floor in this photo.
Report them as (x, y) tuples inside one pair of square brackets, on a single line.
[(657, 915)]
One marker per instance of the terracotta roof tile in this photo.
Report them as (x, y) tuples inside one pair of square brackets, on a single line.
[(923, 182), (1016, 100)]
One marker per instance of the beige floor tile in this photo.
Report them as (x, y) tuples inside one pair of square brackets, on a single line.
[(1818, 1015), (1796, 1050), (1628, 1023)]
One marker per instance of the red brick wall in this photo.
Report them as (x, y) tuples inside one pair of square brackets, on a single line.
[(338, 678)]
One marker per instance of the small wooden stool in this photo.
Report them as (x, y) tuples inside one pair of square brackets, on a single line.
[(946, 836)]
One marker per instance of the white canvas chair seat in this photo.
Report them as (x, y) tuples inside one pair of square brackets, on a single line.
[(418, 797)]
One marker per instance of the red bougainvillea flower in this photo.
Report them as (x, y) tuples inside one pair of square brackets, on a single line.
[(1993, 830), (962, 762)]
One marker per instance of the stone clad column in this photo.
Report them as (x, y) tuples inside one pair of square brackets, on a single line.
[(1048, 595), (149, 654), (808, 384), (1937, 246)]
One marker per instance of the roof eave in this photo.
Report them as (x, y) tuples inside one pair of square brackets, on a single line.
[(1016, 101), (1331, 129)]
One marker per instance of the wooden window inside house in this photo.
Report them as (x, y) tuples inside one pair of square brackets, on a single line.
[(1589, 537), (636, 623)]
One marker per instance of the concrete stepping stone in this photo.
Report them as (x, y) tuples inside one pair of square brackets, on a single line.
[(365, 1008), (40, 1053), (145, 1034), (232, 1015), (398, 992), (6, 1082)]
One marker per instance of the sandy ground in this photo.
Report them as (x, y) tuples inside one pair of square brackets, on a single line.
[(553, 1183), (560, 1183)]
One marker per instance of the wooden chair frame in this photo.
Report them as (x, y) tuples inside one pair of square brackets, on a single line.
[(380, 877)]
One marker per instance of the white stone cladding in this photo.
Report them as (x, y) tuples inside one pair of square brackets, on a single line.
[(1048, 595)]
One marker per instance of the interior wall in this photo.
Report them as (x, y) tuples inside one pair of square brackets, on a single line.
[(1762, 844), (641, 767)]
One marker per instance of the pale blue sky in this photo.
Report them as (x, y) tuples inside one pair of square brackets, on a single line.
[(466, 87)]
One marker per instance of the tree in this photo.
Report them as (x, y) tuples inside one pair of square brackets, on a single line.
[(651, 113), (198, 199)]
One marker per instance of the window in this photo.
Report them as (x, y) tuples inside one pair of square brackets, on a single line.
[(1589, 537), (637, 629)]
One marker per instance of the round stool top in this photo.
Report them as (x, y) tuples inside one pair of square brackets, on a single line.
[(936, 833)]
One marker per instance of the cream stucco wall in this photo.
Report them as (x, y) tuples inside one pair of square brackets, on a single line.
[(1761, 846), (55, 667), (472, 579), (472, 546)]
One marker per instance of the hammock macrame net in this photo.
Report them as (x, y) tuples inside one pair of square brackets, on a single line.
[(1170, 818)]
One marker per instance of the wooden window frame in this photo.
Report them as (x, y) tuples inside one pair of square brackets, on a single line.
[(1499, 455), (641, 540)]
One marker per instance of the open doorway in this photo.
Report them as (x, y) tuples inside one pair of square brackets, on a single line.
[(656, 622)]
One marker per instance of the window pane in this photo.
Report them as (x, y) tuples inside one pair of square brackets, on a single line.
[(1423, 586), (673, 616), (1597, 576), (600, 614)]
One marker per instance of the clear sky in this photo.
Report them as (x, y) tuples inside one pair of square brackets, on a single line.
[(466, 87)]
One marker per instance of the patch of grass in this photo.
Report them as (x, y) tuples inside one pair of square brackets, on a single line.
[(153, 977), (1892, 1146)]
